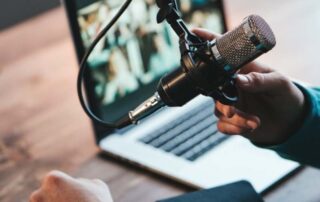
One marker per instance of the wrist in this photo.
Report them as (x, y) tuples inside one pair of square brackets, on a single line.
[(303, 108), (291, 115), (300, 109), (303, 144)]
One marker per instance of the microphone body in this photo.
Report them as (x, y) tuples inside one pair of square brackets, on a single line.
[(211, 69)]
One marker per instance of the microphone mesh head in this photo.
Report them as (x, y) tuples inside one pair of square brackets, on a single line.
[(246, 42)]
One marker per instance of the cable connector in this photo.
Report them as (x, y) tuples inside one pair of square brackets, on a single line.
[(146, 108)]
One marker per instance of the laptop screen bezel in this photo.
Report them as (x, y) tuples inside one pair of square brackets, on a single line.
[(71, 11)]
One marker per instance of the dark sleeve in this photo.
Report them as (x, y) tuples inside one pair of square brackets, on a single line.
[(304, 145)]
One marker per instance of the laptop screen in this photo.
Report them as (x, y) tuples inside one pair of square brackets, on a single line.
[(128, 62)]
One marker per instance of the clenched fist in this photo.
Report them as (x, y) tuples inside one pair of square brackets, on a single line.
[(60, 187)]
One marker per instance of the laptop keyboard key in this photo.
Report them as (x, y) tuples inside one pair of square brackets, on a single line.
[(205, 146), (181, 149), (161, 140), (169, 127), (183, 137), (189, 137)]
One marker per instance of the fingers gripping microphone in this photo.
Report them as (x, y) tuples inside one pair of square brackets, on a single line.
[(207, 67)]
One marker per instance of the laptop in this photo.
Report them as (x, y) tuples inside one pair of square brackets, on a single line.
[(181, 143)]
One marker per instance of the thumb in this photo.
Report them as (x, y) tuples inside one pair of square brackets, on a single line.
[(255, 82)]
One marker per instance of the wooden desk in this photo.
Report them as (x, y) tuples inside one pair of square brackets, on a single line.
[(42, 126)]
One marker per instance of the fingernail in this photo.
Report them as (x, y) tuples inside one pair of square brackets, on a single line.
[(251, 124), (243, 79)]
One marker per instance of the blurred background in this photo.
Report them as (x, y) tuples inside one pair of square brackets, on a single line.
[(42, 126)]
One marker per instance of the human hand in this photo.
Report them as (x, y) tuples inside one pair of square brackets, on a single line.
[(270, 106), (60, 187)]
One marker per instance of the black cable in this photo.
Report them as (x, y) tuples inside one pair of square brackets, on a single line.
[(125, 120)]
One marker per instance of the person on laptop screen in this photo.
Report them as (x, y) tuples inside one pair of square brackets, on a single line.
[(273, 112)]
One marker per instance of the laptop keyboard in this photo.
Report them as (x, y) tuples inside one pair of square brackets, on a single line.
[(189, 137)]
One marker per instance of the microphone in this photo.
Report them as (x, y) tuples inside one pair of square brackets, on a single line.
[(207, 67)]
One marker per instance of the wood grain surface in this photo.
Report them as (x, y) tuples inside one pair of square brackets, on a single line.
[(42, 126)]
